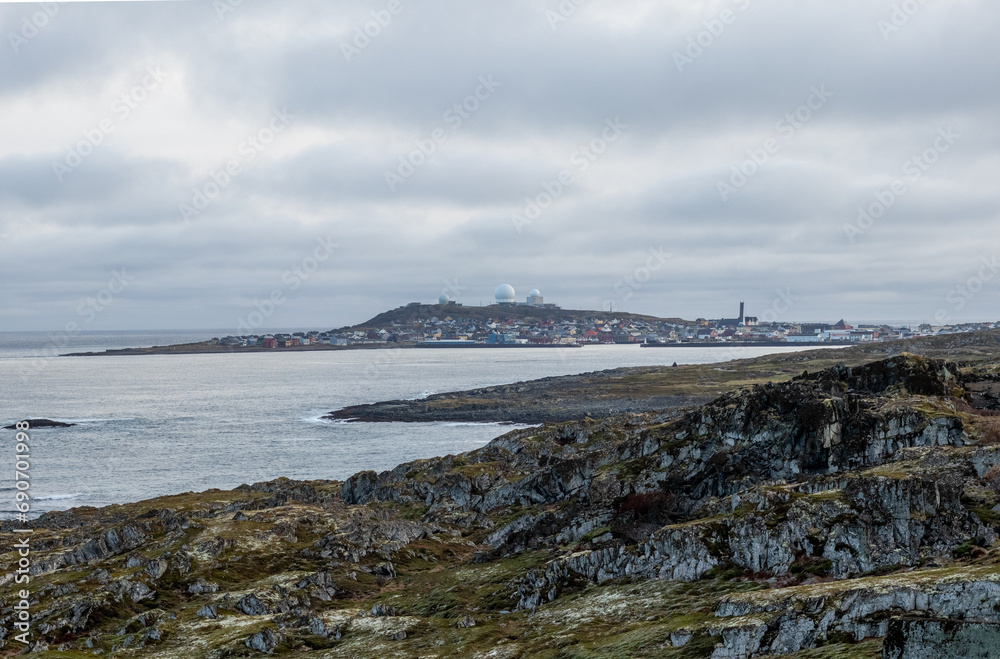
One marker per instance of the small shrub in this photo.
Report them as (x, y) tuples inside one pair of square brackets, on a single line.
[(813, 566), (725, 571), (657, 504), (992, 478), (989, 432), (638, 515)]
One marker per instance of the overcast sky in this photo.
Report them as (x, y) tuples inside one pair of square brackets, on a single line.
[(709, 152)]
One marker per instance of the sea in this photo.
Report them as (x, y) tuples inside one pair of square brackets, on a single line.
[(151, 425)]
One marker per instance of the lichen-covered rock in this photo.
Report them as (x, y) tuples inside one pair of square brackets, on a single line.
[(263, 641), (921, 638)]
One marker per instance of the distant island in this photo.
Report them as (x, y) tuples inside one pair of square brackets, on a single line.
[(507, 324)]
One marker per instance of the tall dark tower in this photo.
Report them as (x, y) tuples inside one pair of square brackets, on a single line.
[(742, 319)]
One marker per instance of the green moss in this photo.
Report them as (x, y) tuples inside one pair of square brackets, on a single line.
[(820, 568), (986, 515), (725, 572), (842, 646), (962, 550), (595, 533)]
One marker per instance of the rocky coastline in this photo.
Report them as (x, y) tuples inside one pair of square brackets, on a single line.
[(852, 511), (648, 388)]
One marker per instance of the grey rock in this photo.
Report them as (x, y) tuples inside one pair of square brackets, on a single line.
[(384, 610), (201, 586), (207, 611), (921, 638), (253, 606), (463, 623), (264, 641)]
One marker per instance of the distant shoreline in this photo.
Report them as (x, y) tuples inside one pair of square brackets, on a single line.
[(208, 349)]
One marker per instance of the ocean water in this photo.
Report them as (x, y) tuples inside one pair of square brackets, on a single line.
[(164, 424)]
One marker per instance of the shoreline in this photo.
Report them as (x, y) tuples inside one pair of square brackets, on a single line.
[(640, 389), (207, 349)]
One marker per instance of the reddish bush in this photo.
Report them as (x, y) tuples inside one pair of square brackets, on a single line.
[(648, 504), (989, 431), (962, 406), (992, 478)]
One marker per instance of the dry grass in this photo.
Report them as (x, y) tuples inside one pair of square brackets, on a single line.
[(992, 478), (965, 408), (989, 431)]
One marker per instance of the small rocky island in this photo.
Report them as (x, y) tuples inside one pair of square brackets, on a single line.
[(41, 423), (852, 511)]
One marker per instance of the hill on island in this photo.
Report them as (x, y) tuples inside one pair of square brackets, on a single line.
[(407, 315)]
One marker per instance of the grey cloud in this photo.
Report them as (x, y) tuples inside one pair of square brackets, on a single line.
[(656, 186)]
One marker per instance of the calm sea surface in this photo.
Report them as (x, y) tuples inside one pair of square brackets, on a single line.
[(154, 425)]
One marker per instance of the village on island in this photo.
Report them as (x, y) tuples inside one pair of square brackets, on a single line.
[(535, 323)]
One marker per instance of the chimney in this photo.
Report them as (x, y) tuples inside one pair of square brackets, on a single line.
[(741, 314)]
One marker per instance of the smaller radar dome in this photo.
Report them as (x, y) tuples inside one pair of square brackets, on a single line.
[(444, 299), (534, 293)]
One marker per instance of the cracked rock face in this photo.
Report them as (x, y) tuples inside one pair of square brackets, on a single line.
[(917, 638), (837, 509)]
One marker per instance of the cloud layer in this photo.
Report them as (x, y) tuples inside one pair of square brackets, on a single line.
[(205, 148)]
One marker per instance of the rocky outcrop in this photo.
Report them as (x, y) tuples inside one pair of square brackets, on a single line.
[(807, 501), (40, 423), (921, 638), (754, 625)]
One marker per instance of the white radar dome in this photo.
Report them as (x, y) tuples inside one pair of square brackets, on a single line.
[(505, 293)]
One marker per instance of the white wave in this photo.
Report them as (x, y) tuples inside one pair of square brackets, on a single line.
[(86, 421), (421, 395), (458, 424), (57, 497), (327, 422)]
